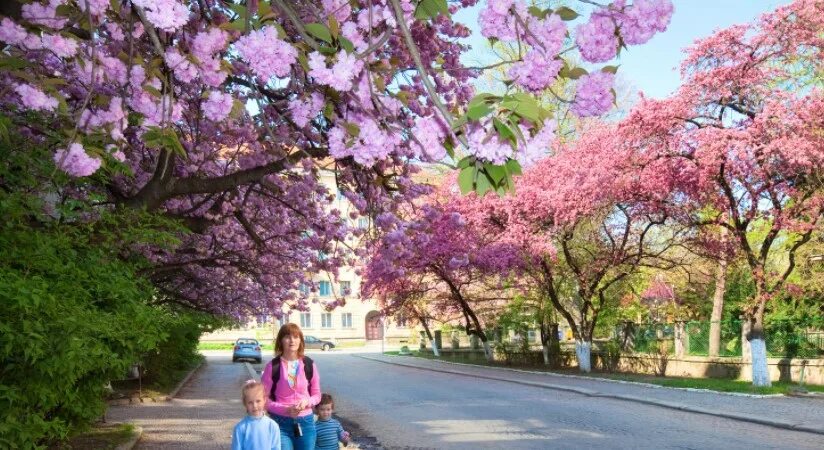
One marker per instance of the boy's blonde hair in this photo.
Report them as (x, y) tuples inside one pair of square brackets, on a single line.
[(252, 385)]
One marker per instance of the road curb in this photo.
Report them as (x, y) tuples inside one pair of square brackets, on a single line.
[(629, 398), (182, 382), (138, 433), (252, 374)]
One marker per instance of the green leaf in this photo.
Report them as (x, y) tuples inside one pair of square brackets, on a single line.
[(5, 125), (320, 31), (566, 13), (504, 131), (165, 138), (523, 105), (538, 12), (478, 111), (466, 161), (346, 44), (352, 128), (459, 122), (327, 50), (576, 73), (610, 69), (13, 63), (334, 26), (496, 173), (483, 184), (465, 179), (514, 167), (429, 9)]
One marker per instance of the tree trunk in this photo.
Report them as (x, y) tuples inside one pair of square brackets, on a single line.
[(718, 302), (758, 348), (435, 350), (488, 351), (583, 350)]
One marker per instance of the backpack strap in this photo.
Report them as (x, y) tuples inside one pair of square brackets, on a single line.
[(308, 370), (275, 377)]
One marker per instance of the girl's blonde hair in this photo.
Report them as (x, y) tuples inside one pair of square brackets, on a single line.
[(252, 385)]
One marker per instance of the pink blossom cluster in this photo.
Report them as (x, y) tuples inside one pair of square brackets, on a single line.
[(268, 56), (594, 96), (207, 47), (535, 72), (497, 21), (488, 146), (371, 145), (34, 99), (304, 111), (97, 8), (430, 133), (44, 14), (538, 146), (340, 75), (218, 105), (75, 161), (12, 33), (61, 46), (596, 39), (184, 69), (114, 115), (547, 34), (643, 19), (168, 15)]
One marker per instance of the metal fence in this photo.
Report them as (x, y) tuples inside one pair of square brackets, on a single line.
[(784, 338)]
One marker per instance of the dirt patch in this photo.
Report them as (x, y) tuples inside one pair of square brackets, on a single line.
[(360, 438)]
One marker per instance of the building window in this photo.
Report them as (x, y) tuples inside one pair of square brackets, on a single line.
[(340, 194), (401, 321), (363, 222), (326, 320), (306, 320), (346, 320), (304, 289), (325, 288), (345, 288)]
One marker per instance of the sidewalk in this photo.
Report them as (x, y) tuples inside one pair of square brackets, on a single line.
[(201, 416), (793, 413)]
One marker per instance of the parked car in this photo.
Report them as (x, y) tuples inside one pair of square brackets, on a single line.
[(246, 348), (313, 342)]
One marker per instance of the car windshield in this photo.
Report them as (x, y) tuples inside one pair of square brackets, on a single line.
[(246, 342)]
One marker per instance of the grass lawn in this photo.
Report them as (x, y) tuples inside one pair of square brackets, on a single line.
[(100, 437), (149, 390), (713, 384)]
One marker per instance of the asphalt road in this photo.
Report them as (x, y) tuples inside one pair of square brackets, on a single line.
[(410, 408)]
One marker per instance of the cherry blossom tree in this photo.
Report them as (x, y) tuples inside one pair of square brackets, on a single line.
[(739, 145), (435, 249), (222, 114)]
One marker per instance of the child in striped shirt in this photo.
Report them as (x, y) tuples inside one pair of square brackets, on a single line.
[(329, 430)]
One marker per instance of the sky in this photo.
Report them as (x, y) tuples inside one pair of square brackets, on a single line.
[(653, 67)]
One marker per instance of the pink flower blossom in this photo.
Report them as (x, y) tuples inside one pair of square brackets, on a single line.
[(59, 45), (430, 134), (596, 39), (168, 15), (183, 69), (535, 72), (302, 111), (218, 106), (643, 19), (340, 76), (550, 34), (114, 115), (496, 20), (538, 147), (207, 43), (489, 147), (76, 162), (11, 33), (35, 99), (267, 55), (44, 14), (594, 96), (115, 32), (97, 8)]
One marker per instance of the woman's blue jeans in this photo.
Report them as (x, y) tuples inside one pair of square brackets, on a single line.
[(289, 440)]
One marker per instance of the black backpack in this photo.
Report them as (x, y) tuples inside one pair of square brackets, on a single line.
[(308, 369)]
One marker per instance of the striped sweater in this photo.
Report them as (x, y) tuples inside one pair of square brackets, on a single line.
[(329, 433)]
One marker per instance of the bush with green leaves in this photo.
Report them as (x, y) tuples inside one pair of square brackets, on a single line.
[(74, 311)]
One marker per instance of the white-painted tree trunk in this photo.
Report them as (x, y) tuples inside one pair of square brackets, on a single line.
[(488, 352), (546, 354), (583, 350), (760, 370), (435, 348)]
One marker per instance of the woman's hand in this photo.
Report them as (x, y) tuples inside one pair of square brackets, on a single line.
[(302, 404), (294, 410)]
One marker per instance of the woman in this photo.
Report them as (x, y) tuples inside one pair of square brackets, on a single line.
[(292, 387)]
